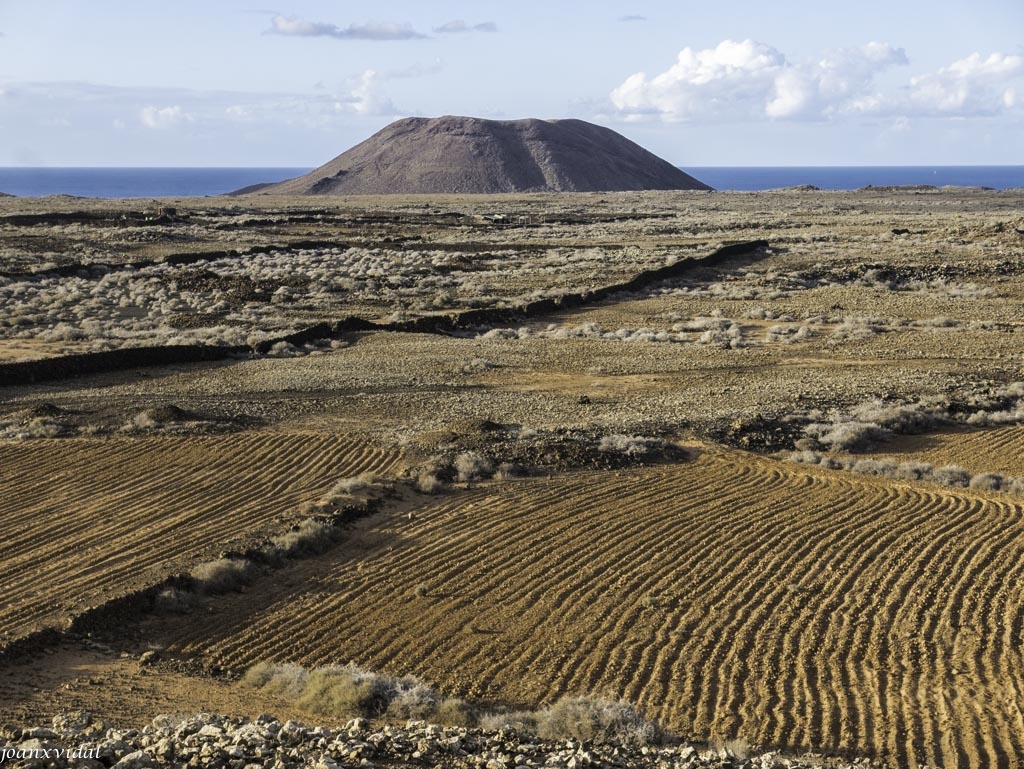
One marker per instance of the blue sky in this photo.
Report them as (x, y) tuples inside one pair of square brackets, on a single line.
[(296, 82)]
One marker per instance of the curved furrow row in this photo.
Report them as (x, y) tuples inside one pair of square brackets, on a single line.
[(634, 578), (627, 621), (143, 466), (181, 503), (856, 531), (973, 578), (586, 546), (127, 524), (865, 665), (894, 630), (993, 610), (800, 607), (772, 603), (538, 515), (903, 624), (295, 628), (707, 638)]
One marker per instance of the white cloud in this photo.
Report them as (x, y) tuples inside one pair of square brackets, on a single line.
[(295, 27), (366, 97), (974, 85), (164, 117), (750, 80), (458, 25), (735, 79)]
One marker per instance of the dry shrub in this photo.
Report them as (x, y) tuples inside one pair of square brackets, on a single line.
[(222, 575), (630, 445), (508, 470), (347, 486), (454, 711), (883, 468), (412, 699), (913, 471), (309, 537), (172, 600), (428, 483), (352, 692), (951, 475), (345, 692), (988, 482), (38, 427), (853, 437), (472, 466), (604, 721), (520, 720), (277, 679)]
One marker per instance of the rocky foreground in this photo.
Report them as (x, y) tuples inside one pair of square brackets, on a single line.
[(76, 740)]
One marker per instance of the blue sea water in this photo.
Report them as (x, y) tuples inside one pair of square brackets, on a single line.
[(186, 182), (137, 182), (855, 177)]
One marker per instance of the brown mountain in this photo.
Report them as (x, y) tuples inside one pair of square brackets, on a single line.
[(471, 155)]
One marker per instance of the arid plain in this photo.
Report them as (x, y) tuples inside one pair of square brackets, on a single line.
[(775, 495)]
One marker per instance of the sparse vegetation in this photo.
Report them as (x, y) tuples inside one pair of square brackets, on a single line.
[(472, 466), (840, 340), (350, 691), (222, 575), (308, 537)]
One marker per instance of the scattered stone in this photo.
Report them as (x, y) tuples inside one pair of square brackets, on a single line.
[(239, 743)]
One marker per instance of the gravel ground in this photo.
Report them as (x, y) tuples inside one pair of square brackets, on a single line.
[(216, 742)]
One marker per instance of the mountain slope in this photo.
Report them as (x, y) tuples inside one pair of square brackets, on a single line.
[(471, 155)]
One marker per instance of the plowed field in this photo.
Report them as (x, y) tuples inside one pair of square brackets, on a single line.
[(731, 595), (983, 450), (87, 520)]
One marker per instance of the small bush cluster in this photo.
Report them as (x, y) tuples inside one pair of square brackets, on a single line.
[(173, 600), (712, 330), (631, 445), (472, 466), (582, 719), (349, 691), (37, 427), (948, 475), (466, 467), (222, 575), (869, 424), (309, 537)]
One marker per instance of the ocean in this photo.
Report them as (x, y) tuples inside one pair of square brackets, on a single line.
[(188, 182)]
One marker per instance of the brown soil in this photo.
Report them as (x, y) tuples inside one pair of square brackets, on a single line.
[(729, 596), (979, 450), (89, 520)]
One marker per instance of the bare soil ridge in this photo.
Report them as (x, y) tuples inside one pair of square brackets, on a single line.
[(471, 155)]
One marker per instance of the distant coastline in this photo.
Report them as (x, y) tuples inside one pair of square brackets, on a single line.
[(855, 177), (189, 182)]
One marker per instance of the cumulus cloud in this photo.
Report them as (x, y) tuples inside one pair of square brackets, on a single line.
[(366, 96), (748, 79), (975, 85), (164, 117), (458, 25), (295, 27)]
